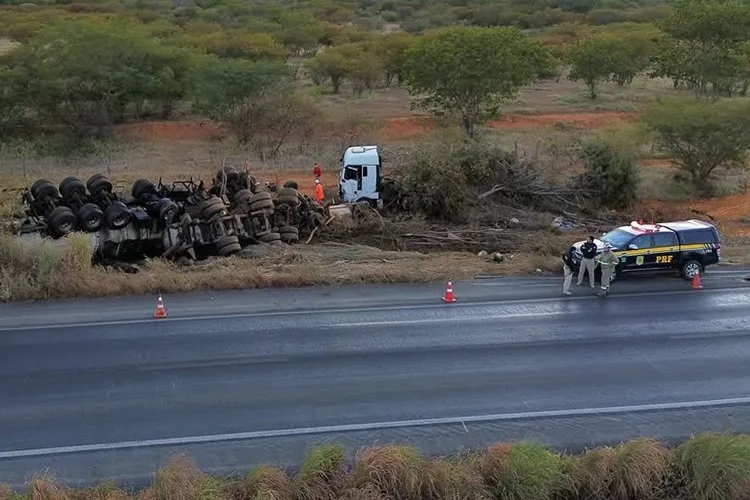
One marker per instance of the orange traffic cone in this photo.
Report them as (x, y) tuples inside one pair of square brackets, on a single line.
[(695, 284), (448, 296), (160, 311)]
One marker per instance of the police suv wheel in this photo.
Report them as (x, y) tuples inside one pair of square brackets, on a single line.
[(690, 268)]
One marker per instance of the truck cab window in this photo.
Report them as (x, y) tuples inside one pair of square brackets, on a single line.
[(353, 173)]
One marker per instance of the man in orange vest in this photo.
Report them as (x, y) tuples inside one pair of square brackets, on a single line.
[(319, 192)]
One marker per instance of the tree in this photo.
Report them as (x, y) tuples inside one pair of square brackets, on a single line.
[(225, 90), (11, 101), (470, 71), (242, 44), (299, 32), (335, 63), (391, 49), (705, 46), (85, 76), (364, 71), (702, 136), (606, 57), (610, 176), (273, 115)]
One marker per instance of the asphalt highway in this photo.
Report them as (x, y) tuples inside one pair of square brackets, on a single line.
[(99, 389)]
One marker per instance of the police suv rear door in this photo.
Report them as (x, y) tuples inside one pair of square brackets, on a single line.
[(666, 250)]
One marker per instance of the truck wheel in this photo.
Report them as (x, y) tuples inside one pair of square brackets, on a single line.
[(72, 187), (93, 179), (289, 234), (168, 210), (270, 237), (242, 196), (62, 221), (690, 268), (233, 176), (99, 186), (244, 182), (118, 215), (44, 189), (260, 201), (228, 245), (211, 207), (142, 187), (91, 218)]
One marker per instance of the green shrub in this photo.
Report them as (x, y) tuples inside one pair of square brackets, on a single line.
[(522, 471), (610, 177), (715, 466)]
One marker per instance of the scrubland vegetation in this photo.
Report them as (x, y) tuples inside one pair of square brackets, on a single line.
[(598, 111), (706, 467)]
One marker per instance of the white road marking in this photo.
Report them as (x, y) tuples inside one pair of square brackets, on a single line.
[(448, 320), (373, 426), (417, 307)]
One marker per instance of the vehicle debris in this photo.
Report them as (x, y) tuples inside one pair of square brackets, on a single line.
[(171, 220)]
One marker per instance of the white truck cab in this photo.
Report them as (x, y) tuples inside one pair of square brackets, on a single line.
[(359, 179)]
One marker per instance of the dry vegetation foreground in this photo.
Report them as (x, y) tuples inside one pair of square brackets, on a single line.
[(706, 467)]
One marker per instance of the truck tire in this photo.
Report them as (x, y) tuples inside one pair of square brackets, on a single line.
[(289, 234), (689, 268), (44, 189), (93, 179), (233, 176), (91, 218), (228, 245), (167, 210), (260, 201), (242, 196), (118, 215), (292, 185), (61, 221), (244, 182), (211, 207), (99, 186), (70, 188), (270, 237), (141, 188), (260, 197)]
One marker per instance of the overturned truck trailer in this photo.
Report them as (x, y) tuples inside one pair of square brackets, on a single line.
[(173, 220)]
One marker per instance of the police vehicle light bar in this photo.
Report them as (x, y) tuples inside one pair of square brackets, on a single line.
[(647, 228)]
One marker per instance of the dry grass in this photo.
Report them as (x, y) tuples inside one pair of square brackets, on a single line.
[(35, 268), (706, 467), (321, 473), (635, 469), (269, 483)]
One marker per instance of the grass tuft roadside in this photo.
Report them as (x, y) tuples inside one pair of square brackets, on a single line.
[(705, 467)]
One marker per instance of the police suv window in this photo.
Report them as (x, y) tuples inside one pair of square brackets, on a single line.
[(698, 236), (665, 240), (643, 241)]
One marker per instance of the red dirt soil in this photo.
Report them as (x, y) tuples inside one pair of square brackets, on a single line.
[(399, 128), (413, 126), (656, 163), (171, 131)]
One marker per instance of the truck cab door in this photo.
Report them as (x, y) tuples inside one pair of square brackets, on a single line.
[(351, 180), (369, 182)]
